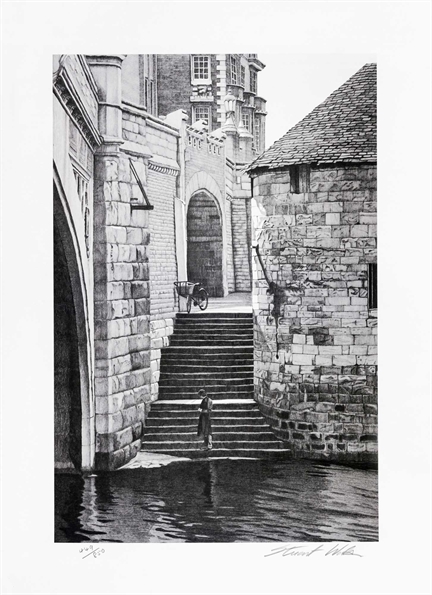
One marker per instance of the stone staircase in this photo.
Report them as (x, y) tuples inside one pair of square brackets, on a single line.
[(212, 351)]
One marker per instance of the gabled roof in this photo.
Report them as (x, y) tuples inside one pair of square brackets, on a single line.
[(341, 129)]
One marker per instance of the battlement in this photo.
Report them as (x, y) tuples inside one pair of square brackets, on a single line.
[(200, 139)]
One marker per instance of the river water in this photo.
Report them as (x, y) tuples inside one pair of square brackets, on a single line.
[(220, 501)]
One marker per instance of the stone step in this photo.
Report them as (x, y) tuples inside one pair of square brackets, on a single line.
[(193, 404), (205, 335), (189, 394), (189, 424), (157, 435), (205, 359), (200, 375), (212, 351), (196, 329), (217, 384), (228, 341), (201, 316), (228, 444), (192, 393), (191, 417), (208, 368), (210, 325), (215, 453), (227, 419), (206, 364), (197, 351), (216, 322)]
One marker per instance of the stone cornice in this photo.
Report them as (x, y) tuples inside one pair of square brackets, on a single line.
[(255, 63), (136, 149), (158, 123), (111, 60), (163, 169), (88, 74), (74, 87)]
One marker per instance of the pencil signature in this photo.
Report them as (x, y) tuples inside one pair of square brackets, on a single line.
[(91, 551), (298, 550)]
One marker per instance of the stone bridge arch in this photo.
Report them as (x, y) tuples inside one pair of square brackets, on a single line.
[(73, 395), (206, 252)]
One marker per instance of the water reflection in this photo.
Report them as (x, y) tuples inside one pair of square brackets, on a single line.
[(220, 501)]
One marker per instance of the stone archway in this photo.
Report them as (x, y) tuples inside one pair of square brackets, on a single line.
[(73, 443), (205, 243)]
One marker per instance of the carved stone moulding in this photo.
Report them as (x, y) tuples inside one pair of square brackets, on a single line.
[(76, 91), (106, 60), (162, 169)]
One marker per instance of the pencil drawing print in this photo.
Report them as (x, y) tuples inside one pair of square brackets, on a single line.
[(215, 305)]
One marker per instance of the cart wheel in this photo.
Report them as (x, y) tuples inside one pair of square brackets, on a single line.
[(189, 304), (202, 299)]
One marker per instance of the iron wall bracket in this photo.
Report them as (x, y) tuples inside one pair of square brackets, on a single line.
[(135, 205)]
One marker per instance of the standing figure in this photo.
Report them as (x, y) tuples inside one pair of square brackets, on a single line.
[(204, 422)]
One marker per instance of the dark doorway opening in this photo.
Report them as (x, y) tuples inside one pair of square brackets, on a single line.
[(204, 243)]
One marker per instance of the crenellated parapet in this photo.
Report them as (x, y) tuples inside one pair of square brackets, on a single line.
[(198, 138)]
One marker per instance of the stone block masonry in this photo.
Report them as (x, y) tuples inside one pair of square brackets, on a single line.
[(163, 269), (207, 170), (241, 243), (229, 185), (122, 312), (163, 265), (316, 370), (162, 189)]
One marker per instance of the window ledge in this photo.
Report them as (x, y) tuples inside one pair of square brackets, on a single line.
[(201, 98), (199, 82)]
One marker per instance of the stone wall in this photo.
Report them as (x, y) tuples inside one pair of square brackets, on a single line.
[(75, 137), (201, 158), (205, 170), (122, 309), (162, 189), (174, 82), (316, 373), (241, 243), (175, 88), (229, 185), (163, 267), (160, 143)]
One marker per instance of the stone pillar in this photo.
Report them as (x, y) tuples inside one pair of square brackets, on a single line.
[(107, 74), (121, 277), (230, 126), (244, 143)]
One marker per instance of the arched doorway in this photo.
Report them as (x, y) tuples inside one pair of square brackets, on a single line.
[(71, 387), (204, 243)]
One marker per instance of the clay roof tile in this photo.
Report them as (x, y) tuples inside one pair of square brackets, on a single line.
[(344, 126)]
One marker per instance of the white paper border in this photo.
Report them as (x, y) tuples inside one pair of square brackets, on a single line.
[(399, 33)]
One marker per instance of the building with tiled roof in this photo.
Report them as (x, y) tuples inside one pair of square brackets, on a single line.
[(342, 129), (315, 278)]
